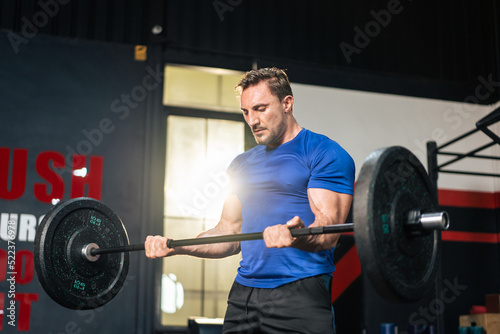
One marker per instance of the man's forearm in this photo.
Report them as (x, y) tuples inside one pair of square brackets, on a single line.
[(211, 251)]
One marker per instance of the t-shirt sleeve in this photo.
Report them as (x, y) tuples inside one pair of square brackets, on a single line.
[(332, 168)]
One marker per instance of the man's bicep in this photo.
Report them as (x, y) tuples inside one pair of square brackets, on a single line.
[(231, 218), (333, 206)]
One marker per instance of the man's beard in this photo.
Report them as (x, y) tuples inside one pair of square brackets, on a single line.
[(272, 137)]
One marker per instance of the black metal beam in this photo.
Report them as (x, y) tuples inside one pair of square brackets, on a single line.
[(479, 156), (465, 155), (468, 173)]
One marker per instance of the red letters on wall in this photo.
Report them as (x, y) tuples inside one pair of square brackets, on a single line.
[(52, 183), (18, 173), (86, 175)]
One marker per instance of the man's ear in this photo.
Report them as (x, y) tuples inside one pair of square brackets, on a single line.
[(287, 103)]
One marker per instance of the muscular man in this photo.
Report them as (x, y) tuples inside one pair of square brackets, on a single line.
[(294, 178)]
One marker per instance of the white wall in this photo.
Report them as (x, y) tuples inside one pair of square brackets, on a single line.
[(362, 122)]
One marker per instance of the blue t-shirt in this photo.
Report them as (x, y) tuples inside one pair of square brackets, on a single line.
[(271, 184)]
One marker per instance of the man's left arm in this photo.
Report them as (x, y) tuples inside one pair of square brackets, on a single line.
[(329, 208)]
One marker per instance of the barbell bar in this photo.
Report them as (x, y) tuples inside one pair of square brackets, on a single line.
[(417, 222)]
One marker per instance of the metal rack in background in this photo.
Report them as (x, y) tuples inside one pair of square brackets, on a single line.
[(433, 150)]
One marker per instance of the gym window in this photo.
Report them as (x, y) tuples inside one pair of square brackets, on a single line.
[(205, 131)]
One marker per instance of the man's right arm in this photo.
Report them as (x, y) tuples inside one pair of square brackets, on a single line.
[(230, 223)]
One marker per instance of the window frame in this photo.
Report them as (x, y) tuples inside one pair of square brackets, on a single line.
[(249, 142)]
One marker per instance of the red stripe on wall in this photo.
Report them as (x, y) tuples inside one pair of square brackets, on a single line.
[(470, 237), (348, 269), (469, 199)]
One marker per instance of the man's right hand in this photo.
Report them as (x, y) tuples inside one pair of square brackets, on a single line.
[(156, 246), (229, 223)]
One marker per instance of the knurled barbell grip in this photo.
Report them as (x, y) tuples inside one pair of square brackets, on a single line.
[(259, 235), (340, 228), (214, 240)]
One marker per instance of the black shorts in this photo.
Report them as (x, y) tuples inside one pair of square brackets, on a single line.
[(303, 306)]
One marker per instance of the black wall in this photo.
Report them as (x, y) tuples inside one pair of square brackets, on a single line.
[(418, 48), (69, 98)]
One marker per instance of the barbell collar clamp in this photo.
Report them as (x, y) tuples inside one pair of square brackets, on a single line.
[(435, 221), (88, 252), (420, 223)]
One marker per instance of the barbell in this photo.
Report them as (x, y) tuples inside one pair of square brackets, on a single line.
[(81, 249)]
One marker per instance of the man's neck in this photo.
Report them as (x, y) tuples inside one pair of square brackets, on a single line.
[(290, 133)]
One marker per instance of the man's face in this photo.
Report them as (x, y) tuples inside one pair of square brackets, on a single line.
[(265, 114)]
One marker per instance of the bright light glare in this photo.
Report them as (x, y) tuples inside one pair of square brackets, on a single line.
[(80, 172), (172, 294)]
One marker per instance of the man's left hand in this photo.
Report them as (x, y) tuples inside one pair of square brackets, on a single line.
[(279, 236)]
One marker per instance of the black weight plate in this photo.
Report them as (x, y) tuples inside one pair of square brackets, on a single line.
[(65, 274), (391, 183)]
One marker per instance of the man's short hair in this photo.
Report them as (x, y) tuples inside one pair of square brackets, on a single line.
[(276, 79)]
